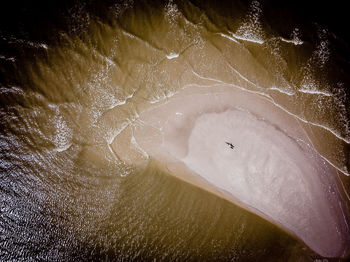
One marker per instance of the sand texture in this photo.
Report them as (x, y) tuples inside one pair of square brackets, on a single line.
[(240, 146)]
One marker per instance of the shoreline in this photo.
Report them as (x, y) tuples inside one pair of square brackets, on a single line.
[(163, 133)]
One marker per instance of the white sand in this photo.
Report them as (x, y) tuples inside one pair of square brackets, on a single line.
[(243, 148)]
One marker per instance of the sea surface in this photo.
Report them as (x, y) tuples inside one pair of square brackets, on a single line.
[(74, 74)]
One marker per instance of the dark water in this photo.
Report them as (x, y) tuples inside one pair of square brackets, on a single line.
[(74, 73)]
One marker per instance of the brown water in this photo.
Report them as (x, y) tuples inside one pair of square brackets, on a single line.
[(64, 194)]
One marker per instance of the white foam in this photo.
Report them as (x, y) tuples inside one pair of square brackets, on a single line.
[(229, 37), (246, 36), (291, 41), (251, 27), (172, 55), (295, 38), (314, 92), (283, 90)]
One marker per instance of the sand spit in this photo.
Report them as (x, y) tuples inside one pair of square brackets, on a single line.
[(238, 145)]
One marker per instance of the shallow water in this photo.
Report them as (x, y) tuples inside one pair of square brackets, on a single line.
[(69, 87)]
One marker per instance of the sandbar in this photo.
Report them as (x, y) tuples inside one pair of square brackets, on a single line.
[(240, 146)]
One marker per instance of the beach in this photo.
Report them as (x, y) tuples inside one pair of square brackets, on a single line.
[(240, 146)]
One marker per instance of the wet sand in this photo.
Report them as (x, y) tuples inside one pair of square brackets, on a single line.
[(240, 146)]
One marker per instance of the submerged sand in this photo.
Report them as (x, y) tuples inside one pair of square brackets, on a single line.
[(240, 146)]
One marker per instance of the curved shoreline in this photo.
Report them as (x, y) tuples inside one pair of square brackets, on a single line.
[(163, 133)]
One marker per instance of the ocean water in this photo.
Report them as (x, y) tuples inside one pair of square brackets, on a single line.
[(75, 74)]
